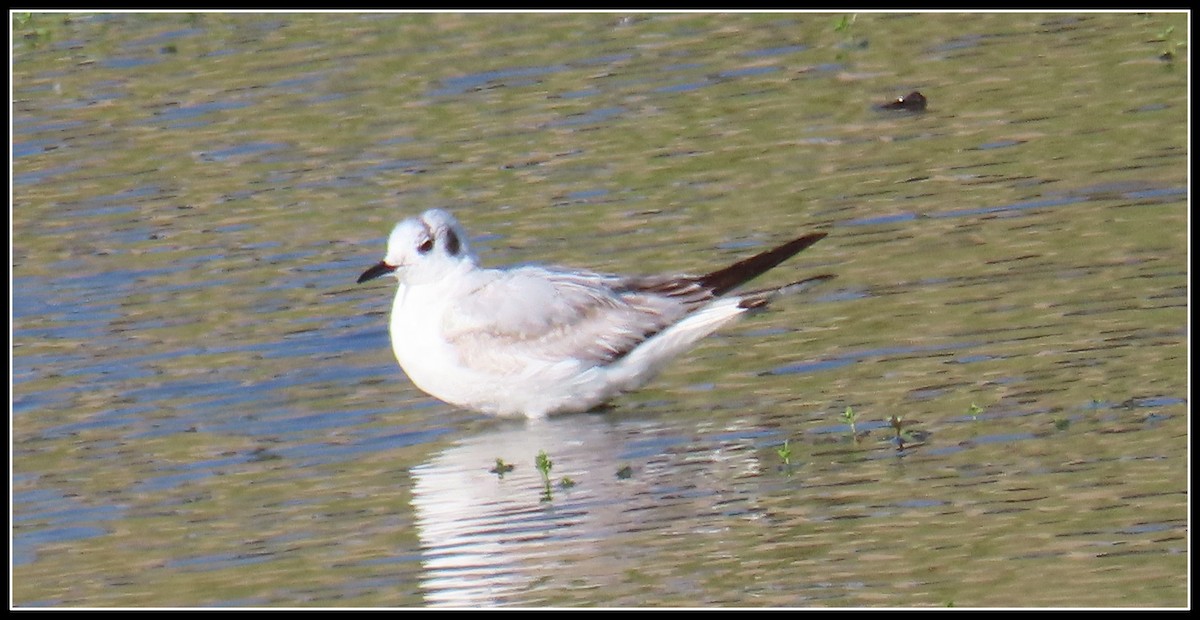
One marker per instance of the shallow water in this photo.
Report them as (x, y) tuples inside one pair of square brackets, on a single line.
[(205, 408)]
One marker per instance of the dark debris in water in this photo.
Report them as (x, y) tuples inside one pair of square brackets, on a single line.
[(912, 102)]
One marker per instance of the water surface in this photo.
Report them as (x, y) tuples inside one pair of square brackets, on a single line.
[(206, 412)]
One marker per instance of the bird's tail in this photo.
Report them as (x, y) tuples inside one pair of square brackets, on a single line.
[(724, 280), (758, 299)]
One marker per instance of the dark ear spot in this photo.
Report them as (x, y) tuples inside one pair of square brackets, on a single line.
[(452, 243), (425, 246)]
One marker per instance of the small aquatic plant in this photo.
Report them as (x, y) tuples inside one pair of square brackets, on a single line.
[(31, 27), (785, 453), (906, 437), (849, 416), (543, 464), (1170, 46), (501, 468), (843, 27), (625, 473), (974, 411), (844, 22)]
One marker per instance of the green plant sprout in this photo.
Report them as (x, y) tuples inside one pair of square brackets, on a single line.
[(544, 465), (906, 437), (501, 468), (974, 411), (32, 27), (843, 27), (785, 453), (849, 416), (1170, 46), (844, 22)]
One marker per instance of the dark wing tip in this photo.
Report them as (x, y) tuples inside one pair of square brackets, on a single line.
[(724, 280)]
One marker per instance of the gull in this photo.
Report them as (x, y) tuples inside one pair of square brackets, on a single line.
[(535, 341)]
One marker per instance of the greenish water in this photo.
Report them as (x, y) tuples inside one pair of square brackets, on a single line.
[(206, 412)]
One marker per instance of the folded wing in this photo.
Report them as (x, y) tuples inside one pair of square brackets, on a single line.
[(557, 315)]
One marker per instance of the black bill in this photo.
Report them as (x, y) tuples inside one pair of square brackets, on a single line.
[(379, 269)]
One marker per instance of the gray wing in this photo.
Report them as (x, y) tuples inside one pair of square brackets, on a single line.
[(556, 315)]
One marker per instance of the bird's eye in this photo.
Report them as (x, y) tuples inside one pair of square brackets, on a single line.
[(452, 243), (425, 246)]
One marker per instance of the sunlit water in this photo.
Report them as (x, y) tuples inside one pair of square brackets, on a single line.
[(988, 407)]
